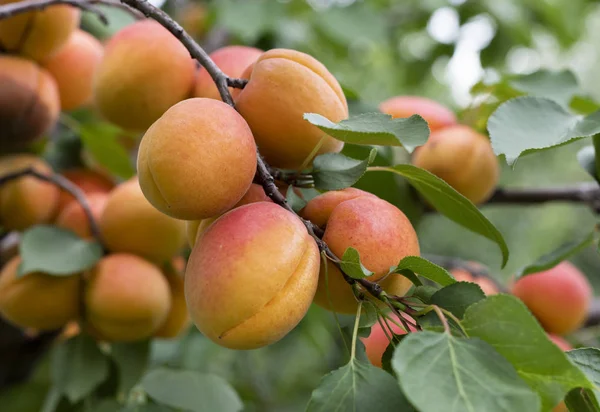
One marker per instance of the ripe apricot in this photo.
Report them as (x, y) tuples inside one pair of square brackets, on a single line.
[(38, 300), (74, 67), (463, 158), (377, 341), (73, 217), (380, 232), (487, 285), (89, 181), (29, 102), (251, 276), (130, 224), (197, 160), (178, 320), (559, 297), (135, 83), (26, 201), (38, 34), (284, 84), (233, 61), (435, 114), (126, 298)]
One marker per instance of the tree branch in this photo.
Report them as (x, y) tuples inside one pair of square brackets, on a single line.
[(588, 193)]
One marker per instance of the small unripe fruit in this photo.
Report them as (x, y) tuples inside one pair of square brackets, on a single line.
[(126, 298), (273, 104), (178, 319), (251, 276), (233, 61), (130, 224), (38, 34), (435, 114), (38, 300), (487, 285), (145, 70), (559, 297), (462, 158), (26, 201), (74, 68), (197, 160), (29, 102), (73, 217)]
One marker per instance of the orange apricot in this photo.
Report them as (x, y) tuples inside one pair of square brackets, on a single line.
[(73, 217), (435, 114), (178, 320), (377, 341), (89, 181), (487, 285)]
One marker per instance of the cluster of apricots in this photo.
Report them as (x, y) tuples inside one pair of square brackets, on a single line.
[(134, 292)]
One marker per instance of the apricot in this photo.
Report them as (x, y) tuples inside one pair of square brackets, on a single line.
[(193, 18), (29, 102), (195, 227), (38, 34), (126, 298), (89, 181), (130, 224), (74, 218), (559, 297), (487, 285), (26, 201), (197, 160), (178, 320), (251, 276), (38, 300), (233, 61), (377, 341), (74, 67), (319, 209), (435, 114), (560, 342), (463, 158), (380, 232), (283, 85), (135, 83)]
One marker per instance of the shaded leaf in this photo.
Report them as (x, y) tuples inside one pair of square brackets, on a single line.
[(559, 86), (588, 361), (101, 140), (587, 159), (334, 171), (131, 359), (295, 201)]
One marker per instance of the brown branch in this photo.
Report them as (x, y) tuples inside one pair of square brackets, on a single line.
[(587, 193)]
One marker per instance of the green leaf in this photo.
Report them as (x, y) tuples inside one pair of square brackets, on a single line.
[(334, 171), (352, 266), (78, 367), (558, 86), (101, 141), (504, 322), (457, 297), (587, 159), (426, 269), (588, 361), (56, 251), (375, 129), (528, 124), (449, 203), (131, 359), (357, 386), (583, 105), (582, 400), (424, 293), (295, 201), (553, 258), (192, 391), (439, 372)]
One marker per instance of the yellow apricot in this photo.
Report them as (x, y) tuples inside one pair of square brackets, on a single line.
[(130, 224), (26, 201), (178, 320), (74, 68), (38, 34), (284, 84), (126, 298), (38, 300), (29, 102), (197, 160), (462, 158), (145, 70), (251, 276)]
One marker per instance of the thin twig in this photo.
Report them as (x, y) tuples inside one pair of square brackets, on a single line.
[(588, 193)]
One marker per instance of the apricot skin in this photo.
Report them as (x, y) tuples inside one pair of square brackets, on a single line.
[(38, 34), (26, 201), (463, 158), (233, 61), (178, 320), (380, 232), (559, 297), (129, 224), (126, 298), (216, 160), (74, 67), (74, 218), (487, 285), (29, 102), (284, 84), (89, 181), (319, 209), (377, 341), (435, 114), (38, 300), (252, 276), (152, 82)]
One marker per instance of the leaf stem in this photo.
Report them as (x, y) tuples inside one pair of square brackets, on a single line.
[(443, 319), (355, 331)]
